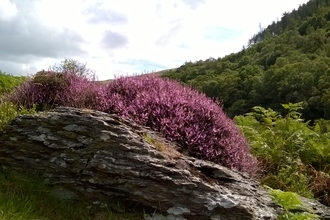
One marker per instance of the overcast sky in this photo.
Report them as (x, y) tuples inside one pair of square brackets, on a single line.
[(120, 37)]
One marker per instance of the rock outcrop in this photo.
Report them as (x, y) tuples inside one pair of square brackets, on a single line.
[(100, 156)]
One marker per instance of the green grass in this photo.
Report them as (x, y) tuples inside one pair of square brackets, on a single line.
[(8, 82), (9, 111), (25, 197)]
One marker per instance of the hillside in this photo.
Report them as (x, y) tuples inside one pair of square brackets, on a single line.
[(284, 70), (289, 61), (8, 82)]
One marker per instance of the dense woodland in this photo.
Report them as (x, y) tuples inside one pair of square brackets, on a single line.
[(289, 61)]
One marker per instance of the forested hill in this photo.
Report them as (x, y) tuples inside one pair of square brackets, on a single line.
[(289, 61)]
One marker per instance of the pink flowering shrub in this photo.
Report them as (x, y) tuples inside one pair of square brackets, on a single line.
[(48, 88), (182, 115)]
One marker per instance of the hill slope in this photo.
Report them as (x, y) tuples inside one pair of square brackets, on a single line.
[(289, 61)]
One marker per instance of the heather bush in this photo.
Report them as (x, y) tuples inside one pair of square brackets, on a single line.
[(49, 89), (182, 115)]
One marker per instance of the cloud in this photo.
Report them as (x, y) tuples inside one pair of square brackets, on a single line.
[(19, 67), (99, 15), (114, 40), (22, 39), (194, 3), (7, 10), (25, 39), (121, 36), (165, 39)]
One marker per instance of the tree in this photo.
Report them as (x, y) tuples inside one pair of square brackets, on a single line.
[(74, 67)]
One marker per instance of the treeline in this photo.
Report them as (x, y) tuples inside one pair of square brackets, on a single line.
[(289, 61), (307, 15)]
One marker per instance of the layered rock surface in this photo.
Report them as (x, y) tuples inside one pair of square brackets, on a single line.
[(100, 156)]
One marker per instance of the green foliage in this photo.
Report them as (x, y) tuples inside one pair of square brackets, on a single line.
[(293, 109), (287, 147), (26, 197), (289, 61), (322, 126), (148, 139), (290, 178), (298, 216), (9, 111), (8, 82), (294, 209), (51, 81), (288, 200), (266, 116)]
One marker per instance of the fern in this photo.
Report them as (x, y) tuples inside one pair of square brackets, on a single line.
[(294, 209), (287, 148)]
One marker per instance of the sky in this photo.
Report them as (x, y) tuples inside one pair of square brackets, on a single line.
[(126, 37)]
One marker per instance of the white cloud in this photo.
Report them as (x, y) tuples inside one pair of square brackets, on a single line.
[(124, 36), (8, 10)]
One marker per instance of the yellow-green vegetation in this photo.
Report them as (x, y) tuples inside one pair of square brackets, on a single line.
[(25, 197), (294, 155), (160, 145), (9, 111), (8, 82), (293, 207)]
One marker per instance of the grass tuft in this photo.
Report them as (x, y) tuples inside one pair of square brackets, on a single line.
[(26, 197)]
